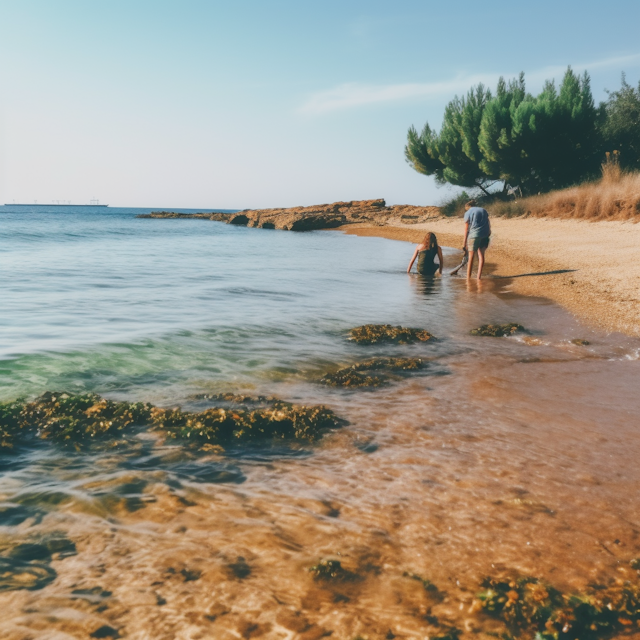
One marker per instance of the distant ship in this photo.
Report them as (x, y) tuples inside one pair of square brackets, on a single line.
[(21, 204)]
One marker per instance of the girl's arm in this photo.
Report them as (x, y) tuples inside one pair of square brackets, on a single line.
[(415, 254), (466, 234), (441, 259)]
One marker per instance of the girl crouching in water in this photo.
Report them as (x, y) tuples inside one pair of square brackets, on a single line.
[(426, 253)]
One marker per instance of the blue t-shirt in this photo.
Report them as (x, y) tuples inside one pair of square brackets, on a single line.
[(478, 219)]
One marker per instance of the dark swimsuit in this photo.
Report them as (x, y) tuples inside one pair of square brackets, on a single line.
[(426, 264)]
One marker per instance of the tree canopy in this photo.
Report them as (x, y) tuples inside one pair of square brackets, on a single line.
[(542, 142), (621, 127)]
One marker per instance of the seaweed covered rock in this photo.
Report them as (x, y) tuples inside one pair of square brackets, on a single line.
[(497, 330), (579, 342), (390, 364), (380, 333), (332, 570), (282, 421), (350, 377), (78, 420), (532, 608), (68, 418), (10, 422), (356, 376)]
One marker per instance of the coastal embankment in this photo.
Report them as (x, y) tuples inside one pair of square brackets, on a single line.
[(588, 267), (321, 216)]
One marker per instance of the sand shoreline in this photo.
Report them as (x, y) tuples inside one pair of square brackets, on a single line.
[(590, 268)]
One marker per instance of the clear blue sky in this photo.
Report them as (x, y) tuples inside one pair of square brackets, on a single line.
[(246, 103)]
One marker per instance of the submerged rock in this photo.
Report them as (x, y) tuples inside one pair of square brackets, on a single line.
[(430, 589), (376, 333), (354, 377), (221, 217), (580, 342), (497, 330), (73, 419), (390, 364), (16, 573), (332, 570), (530, 607), (236, 399), (350, 377), (282, 421), (79, 420)]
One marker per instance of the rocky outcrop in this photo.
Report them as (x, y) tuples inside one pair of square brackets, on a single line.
[(324, 216)]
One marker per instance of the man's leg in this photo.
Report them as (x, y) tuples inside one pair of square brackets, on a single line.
[(481, 261), (471, 254)]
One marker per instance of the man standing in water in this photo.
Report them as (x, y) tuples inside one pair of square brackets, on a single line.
[(477, 230)]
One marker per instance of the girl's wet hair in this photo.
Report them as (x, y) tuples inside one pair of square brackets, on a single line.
[(430, 240)]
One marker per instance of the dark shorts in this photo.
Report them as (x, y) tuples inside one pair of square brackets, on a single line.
[(474, 244)]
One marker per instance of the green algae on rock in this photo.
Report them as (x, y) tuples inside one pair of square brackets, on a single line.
[(78, 420), (65, 418), (353, 376), (497, 330), (10, 422), (390, 364), (531, 608), (350, 377), (377, 333), (281, 421), (332, 570)]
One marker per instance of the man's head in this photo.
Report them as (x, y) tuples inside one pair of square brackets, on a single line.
[(471, 203)]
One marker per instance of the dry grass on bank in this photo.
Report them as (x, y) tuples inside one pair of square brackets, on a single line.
[(615, 197)]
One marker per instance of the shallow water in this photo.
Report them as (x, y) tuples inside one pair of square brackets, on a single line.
[(507, 456)]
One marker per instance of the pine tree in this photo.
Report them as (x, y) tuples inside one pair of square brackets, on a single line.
[(621, 127), (500, 157), (540, 143), (453, 155)]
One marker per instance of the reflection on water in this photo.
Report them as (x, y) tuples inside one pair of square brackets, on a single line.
[(521, 461), (427, 285)]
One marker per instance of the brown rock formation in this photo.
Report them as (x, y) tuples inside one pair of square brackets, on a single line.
[(324, 216)]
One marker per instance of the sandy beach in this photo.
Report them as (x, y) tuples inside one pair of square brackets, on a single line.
[(590, 268)]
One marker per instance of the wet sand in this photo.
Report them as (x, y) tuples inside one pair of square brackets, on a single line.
[(590, 268)]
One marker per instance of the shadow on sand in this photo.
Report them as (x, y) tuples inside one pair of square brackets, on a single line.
[(539, 273)]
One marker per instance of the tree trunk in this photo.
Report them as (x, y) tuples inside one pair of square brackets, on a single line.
[(486, 193)]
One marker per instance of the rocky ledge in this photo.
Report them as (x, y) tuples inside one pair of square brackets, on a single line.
[(324, 216)]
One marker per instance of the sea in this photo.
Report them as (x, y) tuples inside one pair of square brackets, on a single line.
[(504, 456)]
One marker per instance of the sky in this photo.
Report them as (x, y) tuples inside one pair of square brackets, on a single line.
[(274, 103)]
